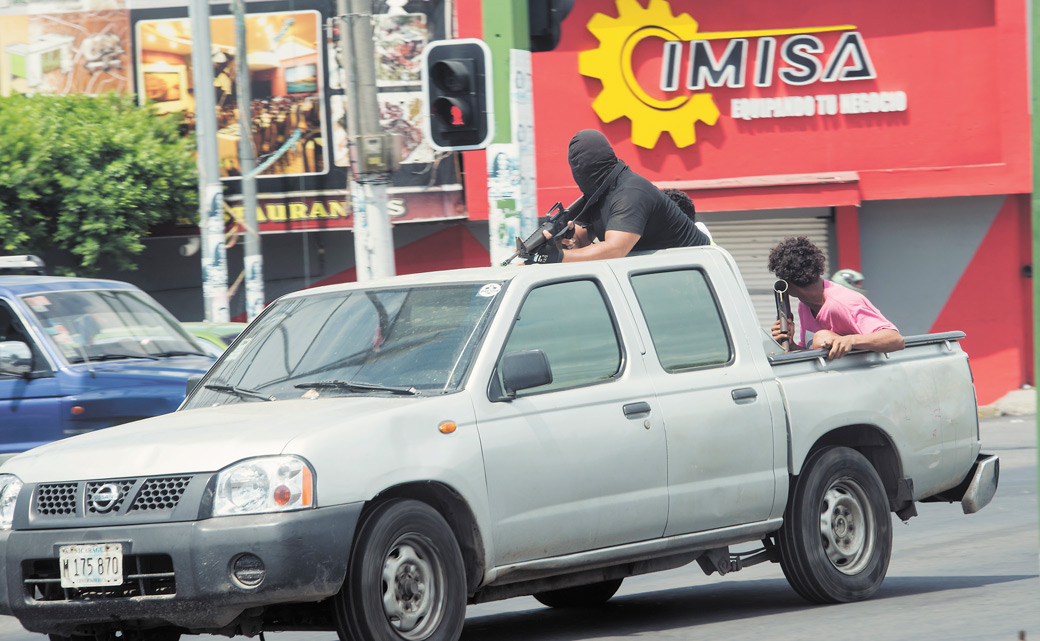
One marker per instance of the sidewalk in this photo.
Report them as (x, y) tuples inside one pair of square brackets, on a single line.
[(1017, 402)]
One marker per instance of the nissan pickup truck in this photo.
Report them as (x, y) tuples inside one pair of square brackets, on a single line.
[(81, 354), (372, 458)]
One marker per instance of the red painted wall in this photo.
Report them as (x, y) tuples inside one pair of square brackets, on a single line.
[(962, 66), (989, 305)]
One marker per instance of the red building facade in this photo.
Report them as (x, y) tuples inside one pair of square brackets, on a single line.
[(894, 134)]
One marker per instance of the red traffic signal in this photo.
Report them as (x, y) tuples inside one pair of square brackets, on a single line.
[(457, 91)]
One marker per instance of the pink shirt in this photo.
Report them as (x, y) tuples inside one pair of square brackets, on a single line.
[(844, 312)]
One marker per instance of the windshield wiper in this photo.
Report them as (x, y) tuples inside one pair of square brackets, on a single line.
[(112, 357), (179, 353), (359, 387), (240, 392)]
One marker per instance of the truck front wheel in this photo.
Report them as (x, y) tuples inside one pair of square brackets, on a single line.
[(405, 581), (836, 540)]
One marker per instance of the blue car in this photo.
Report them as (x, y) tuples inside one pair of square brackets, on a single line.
[(79, 354)]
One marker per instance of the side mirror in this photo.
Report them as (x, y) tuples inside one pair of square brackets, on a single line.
[(525, 369), (15, 358), (192, 382)]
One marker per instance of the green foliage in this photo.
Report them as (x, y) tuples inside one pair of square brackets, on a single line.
[(90, 175)]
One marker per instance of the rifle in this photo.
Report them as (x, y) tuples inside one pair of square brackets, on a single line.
[(783, 310), (555, 224)]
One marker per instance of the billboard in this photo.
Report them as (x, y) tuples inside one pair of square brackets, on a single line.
[(298, 110)]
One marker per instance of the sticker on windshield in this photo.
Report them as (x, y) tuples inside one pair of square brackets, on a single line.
[(37, 303), (489, 290)]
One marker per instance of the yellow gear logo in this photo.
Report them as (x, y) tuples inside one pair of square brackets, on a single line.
[(621, 94)]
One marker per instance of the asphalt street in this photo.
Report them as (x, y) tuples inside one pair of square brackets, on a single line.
[(952, 577)]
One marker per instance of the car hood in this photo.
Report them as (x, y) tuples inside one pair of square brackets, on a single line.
[(173, 368), (198, 440)]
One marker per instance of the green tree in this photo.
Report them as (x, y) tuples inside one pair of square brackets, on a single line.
[(90, 175)]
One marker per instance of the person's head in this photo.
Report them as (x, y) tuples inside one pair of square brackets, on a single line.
[(591, 159), (849, 278), (797, 260), (680, 198)]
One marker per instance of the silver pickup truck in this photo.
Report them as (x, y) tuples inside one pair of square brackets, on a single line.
[(370, 459)]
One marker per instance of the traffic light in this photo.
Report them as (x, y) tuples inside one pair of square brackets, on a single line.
[(458, 95), (543, 22)]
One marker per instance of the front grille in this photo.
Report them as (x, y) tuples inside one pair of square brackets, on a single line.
[(143, 575), (55, 499), (160, 493), (93, 486), (144, 498)]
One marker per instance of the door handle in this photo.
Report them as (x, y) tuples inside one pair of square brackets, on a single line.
[(634, 409), (742, 393)]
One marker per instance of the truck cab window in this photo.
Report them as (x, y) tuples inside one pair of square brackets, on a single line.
[(11, 329), (684, 320), (571, 323)]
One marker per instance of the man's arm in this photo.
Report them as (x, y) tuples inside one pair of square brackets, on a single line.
[(883, 340), (616, 244)]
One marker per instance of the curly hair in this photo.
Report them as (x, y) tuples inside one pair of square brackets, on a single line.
[(797, 260), (683, 201)]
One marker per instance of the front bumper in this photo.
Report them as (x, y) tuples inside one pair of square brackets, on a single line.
[(984, 476), (304, 553)]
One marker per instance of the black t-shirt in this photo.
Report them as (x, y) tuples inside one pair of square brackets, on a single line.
[(635, 205)]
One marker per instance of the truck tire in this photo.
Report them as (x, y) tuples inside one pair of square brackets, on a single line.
[(580, 596), (405, 581), (836, 539)]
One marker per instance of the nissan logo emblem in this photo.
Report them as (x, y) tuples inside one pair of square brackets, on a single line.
[(105, 497)]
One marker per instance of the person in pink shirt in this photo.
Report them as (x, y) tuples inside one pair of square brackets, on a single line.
[(839, 319)]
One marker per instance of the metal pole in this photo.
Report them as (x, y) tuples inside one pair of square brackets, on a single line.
[(211, 192), (253, 259), (373, 238)]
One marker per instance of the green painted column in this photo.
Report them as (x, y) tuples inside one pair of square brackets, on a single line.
[(1034, 50), (505, 28)]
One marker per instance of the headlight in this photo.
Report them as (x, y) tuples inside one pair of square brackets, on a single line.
[(269, 484), (10, 486)]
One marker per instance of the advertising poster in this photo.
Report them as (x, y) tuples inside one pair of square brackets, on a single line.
[(285, 72), (65, 53)]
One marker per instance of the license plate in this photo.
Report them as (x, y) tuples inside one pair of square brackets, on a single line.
[(91, 565)]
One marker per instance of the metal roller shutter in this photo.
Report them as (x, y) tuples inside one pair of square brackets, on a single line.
[(749, 236)]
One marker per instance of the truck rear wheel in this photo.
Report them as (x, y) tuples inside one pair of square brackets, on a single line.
[(405, 581), (580, 596), (836, 540)]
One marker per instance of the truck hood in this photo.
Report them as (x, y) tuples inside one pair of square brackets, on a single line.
[(199, 440)]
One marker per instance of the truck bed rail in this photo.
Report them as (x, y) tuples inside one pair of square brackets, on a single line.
[(909, 341)]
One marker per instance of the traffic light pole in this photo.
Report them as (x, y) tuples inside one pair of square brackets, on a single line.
[(373, 237), (211, 192)]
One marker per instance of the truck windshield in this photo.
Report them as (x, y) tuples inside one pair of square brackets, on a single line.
[(101, 325), (403, 342)]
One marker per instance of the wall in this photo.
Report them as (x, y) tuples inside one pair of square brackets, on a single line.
[(934, 265)]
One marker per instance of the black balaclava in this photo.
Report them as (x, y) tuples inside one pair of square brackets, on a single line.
[(591, 159)]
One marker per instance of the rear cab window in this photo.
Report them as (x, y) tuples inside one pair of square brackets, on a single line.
[(684, 319)]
